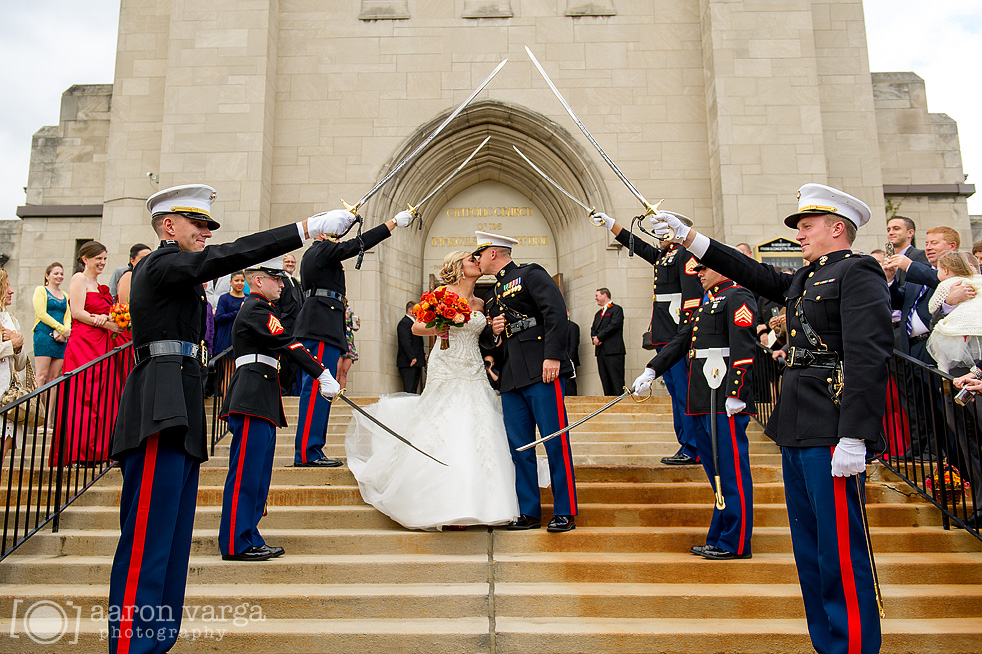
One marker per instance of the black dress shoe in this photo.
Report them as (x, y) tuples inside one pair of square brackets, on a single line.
[(275, 551), (679, 459), (717, 554), (697, 549), (251, 553), (561, 523), (320, 463), (524, 522)]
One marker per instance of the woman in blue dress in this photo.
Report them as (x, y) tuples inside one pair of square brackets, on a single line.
[(52, 324), (228, 307)]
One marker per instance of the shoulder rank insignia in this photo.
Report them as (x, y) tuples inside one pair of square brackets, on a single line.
[(743, 317), (690, 267), (274, 326)]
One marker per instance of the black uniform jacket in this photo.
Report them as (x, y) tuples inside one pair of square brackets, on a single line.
[(673, 273), (167, 302), (289, 304), (725, 320), (530, 291), (410, 345), (846, 302), (322, 318), (609, 330), (255, 387), (573, 346)]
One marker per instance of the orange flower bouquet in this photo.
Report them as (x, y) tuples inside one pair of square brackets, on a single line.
[(442, 308), (119, 313)]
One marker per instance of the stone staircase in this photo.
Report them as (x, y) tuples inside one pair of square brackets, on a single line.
[(354, 581)]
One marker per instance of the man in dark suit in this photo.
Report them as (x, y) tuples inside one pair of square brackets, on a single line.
[(574, 355), (528, 331), (289, 304), (410, 358), (608, 340), (900, 234)]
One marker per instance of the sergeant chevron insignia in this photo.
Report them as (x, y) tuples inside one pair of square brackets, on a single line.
[(274, 325), (690, 267), (743, 317)]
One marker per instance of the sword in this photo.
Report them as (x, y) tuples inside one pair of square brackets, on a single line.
[(714, 370), (649, 209), (589, 210), (626, 393), (412, 155), (869, 546), (377, 422), (414, 209)]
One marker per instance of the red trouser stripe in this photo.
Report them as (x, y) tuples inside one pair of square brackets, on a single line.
[(845, 565), (136, 554), (310, 407), (739, 483), (567, 459), (235, 488)]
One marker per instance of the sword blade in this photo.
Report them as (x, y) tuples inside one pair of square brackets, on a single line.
[(451, 175), (412, 155), (617, 171), (386, 428), (575, 424), (551, 181)]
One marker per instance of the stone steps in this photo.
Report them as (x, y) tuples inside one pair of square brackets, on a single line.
[(352, 580)]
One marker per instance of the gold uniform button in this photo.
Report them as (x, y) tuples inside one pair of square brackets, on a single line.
[(829, 380), (538, 338), (811, 274), (695, 329), (818, 297), (794, 332)]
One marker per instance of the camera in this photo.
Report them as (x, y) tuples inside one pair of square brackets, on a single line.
[(965, 396)]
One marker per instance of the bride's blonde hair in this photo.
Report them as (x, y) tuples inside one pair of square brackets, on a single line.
[(453, 267)]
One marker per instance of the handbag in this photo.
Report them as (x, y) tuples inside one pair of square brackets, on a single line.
[(31, 411)]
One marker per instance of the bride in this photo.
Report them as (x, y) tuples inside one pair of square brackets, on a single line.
[(457, 419)]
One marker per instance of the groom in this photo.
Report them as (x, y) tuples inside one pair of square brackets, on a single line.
[(529, 331)]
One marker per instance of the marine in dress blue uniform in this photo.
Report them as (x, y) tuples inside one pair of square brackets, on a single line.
[(160, 436), (838, 320), (254, 409), (320, 327), (528, 334), (675, 295), (720, 336)]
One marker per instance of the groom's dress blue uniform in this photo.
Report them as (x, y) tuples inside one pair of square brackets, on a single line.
[(320, 327), (254, 410), (530, 292), (675, 293)]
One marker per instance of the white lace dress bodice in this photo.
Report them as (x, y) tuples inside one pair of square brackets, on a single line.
[(458, 420)]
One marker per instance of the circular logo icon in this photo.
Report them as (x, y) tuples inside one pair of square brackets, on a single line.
[(45, 622)]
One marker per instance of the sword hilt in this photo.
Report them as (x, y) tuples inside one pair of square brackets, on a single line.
[(415, 212), (639, 398), (353, 210)]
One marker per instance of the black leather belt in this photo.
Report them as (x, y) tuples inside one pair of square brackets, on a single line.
[(799, 357), (917, 339), (513, 328), (171, 348), (323, 292)]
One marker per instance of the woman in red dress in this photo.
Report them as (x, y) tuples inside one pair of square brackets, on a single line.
[(91, 393)]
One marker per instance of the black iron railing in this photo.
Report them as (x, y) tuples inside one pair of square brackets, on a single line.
[(62, 434), (929, 440)]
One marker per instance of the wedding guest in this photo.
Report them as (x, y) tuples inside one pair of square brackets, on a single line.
[(122, 270), (352, 323), (88, 426), (977, 250), (289, 305), (12, 353), (52, 324), (122, 289), (410, 358), (228, 307), (607, 333), (573, 347)]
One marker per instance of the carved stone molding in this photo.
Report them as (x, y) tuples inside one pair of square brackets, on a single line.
[(487, 9), (578, 8), (384, 10)]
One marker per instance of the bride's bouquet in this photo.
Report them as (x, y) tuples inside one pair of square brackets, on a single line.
[(442, 308), (119, 313)]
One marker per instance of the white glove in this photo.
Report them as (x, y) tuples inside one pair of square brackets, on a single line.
[(849, 457), (333, 223), (663, 221), (643, 382), (734, 406), (329, 386), (601, 219), (403, 218)]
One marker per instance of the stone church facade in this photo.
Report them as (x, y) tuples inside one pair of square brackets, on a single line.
[(722, 108)]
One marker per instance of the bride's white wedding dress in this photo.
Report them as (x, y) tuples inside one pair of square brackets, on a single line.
[(458, 420)]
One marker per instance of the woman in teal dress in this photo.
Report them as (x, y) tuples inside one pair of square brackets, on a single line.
[(52, 324)]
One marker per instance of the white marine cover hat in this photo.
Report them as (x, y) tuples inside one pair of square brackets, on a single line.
[(818, 198), (273, 267), (193, 200), (486, 240)]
